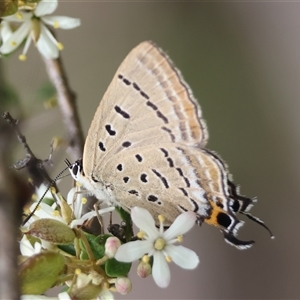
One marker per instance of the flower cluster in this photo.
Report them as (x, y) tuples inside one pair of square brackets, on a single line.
[(91, 266), (34, 27)]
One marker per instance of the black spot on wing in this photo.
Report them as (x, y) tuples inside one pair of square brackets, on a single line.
[(120, 167), (143, 94), (183, 191), (133, 192), (138, 157), (126, 179), (163, 117), (196, 207), (144, 178), (170, 161), (169, 131), (102, 147), (123, 113), (185, 179), (126, 81), (126, 144), (94, 179), (152, 198), (136, 86), (110, 130), (162, 178), (153, 106), (165, 152)]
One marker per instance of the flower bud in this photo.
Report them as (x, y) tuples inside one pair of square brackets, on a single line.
[(111, 246), (144, 269), (123, 285)]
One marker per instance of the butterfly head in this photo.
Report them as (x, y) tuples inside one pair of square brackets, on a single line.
[(76, 170)]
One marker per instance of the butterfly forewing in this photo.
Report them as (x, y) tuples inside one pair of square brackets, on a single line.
[(147, 101)]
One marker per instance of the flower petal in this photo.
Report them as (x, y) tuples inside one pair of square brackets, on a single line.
[(144, 221), (71, 196), (160, 271), (90, 215), (182, 256), (47, 44), (19, 17), (182, 224), (61, 22), (64, 296), (14, 41), (132, 251), (26, 248), (41, 190), (45, 7), (5, 30), (105, 294)]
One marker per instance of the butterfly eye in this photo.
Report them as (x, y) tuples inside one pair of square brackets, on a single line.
[(76, 169)]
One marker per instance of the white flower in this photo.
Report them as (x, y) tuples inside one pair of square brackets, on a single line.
[(160, 244), (26, 247), (76, 201), (34, 28), (61, 296), (5, 31), (44, 210)]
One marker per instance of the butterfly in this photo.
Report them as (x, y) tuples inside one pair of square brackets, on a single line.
[(146, 147)]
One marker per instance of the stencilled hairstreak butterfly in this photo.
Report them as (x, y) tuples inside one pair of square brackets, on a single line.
[(146, 147)]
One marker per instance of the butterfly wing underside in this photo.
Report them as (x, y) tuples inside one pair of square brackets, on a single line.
[(145, 147), (146, 101)]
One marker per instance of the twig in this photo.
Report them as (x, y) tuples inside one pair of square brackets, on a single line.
[(67, 103), (10, 217), (35, 166)]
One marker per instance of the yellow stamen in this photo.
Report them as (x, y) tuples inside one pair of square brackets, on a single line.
[(77, 271), (56, 213), (53, 190), (56, 141), (27, 211), (168, 258), (19, 15), (161, 218), (56, 24), (159, 244), (60, 46), (78, 184), (141, 234), (30, 180), (34, 197), (146, 259), (50, 103), (22, 57), (83, 200), (180, 238)]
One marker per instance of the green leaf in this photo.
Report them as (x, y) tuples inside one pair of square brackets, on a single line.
[(97, 245), (97, 248), (68, 249), (40, 272), (114, 268), (125, 216)]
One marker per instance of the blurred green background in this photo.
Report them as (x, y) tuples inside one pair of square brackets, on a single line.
[(242, 61)]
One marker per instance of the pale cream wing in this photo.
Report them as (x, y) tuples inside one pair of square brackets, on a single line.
[(167, 179), (146, 102)]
